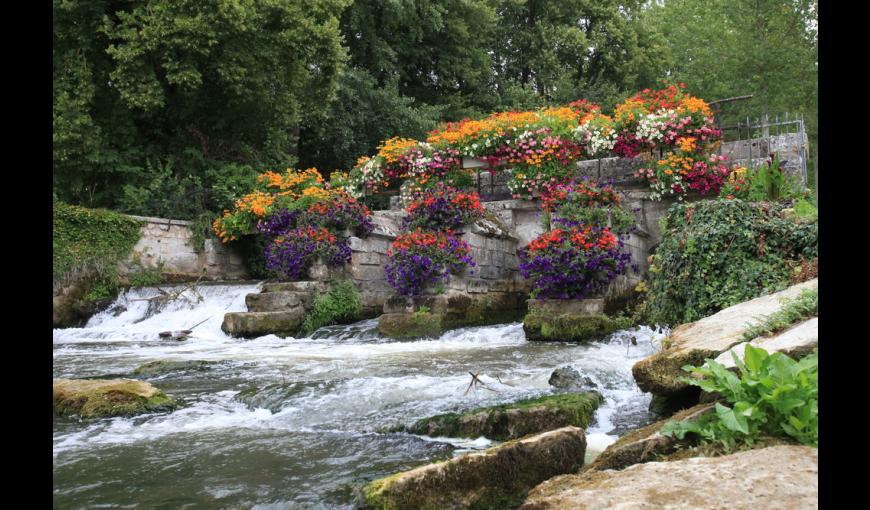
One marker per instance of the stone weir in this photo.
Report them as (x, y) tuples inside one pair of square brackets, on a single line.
[(494, 293)]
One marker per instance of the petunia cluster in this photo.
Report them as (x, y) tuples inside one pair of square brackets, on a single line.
[(419, 258), (442, 208)]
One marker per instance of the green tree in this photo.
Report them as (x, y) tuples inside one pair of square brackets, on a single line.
[(565, 49), (767, 48), (362, 115), (192, 86)]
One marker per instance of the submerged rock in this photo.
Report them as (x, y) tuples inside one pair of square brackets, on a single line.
[(779, 477), (498, 477), (272, 397), (510, 421), (569, 378), (691, 344), (89, 398), (410, 325), (161, 367)]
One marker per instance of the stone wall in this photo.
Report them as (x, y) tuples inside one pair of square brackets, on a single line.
[(167, 244)]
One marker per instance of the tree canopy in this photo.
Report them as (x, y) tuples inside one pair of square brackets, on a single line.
[(171, 107)]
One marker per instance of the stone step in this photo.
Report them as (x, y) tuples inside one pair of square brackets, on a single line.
[(254, 324), (306, 286), (279, 301)]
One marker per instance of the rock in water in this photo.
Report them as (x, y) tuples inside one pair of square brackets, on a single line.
[(569, 378), (691, 344), (779, 477), (102, 398), (511, 421), (499, 477), (161, 367)]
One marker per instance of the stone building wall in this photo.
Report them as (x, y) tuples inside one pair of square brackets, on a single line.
[(167, 244)]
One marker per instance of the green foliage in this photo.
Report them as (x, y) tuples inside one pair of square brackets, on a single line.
[(728, 48), (795, 310), (717, 253), (805, 209), (91, 240), (774, 395), (202, 84), (340, 305)]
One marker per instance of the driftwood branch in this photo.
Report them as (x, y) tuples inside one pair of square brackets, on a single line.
[(475, 380)]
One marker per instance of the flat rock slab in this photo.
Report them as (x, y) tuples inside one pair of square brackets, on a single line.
[(94, 398), (511, 421), (779, 477), (498, 477), (541, 326), (796, 342), (691, 344)]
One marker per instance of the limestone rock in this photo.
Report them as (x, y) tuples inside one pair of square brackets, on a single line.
[(511, 421), (544, 326), (569, 378), (254, 324), (93, 398), (161, 367), (779, 477), (644, 444), (796, 342), (691, 344), (499, 477)]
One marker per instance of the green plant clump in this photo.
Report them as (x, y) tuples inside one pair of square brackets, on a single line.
[(340, 305), (773, 396), (91, 240), (795, 310), (717, 253)]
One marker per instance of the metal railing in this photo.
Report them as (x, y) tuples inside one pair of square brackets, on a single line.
[(788, 131)]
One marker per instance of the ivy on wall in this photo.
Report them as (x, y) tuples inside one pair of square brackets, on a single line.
[(90, 240), (717, 253)]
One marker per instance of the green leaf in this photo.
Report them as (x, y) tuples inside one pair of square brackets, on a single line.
[(736, 423)]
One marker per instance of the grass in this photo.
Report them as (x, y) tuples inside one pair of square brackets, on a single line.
[(795, 310)]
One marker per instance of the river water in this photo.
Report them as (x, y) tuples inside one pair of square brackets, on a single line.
[(310, 435)]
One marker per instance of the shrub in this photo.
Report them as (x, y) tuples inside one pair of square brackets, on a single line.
[(717, 253), (774, 396), (340, 305), (572, 263), (419, 258)]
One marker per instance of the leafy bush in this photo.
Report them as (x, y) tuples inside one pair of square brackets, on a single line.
[(90, 240), (765, 183), (774, 396), (717, 253), (341, 304), (795, 310)]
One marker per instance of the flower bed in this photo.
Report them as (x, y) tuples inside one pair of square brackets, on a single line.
[(442, 208), (572, 263), (419, 258), (292, 253)]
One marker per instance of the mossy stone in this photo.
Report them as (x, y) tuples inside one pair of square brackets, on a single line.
[(567, 327), (511, 421), (410, 325), (89, 399)]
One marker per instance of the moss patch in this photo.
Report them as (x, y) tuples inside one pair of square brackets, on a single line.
[(157, 368), (90, 399), (495, 479), (511, 421), (661, 373), (410, 325), (567, 327)]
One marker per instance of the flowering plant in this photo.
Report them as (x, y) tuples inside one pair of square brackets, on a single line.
[(597, 134), (572, 263), (442, 208), (737, 185), (678, 173), (292, 253), (419, 258), (574, 204), (339, 212)]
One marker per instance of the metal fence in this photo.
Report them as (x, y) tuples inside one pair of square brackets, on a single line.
[(755, 139)]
